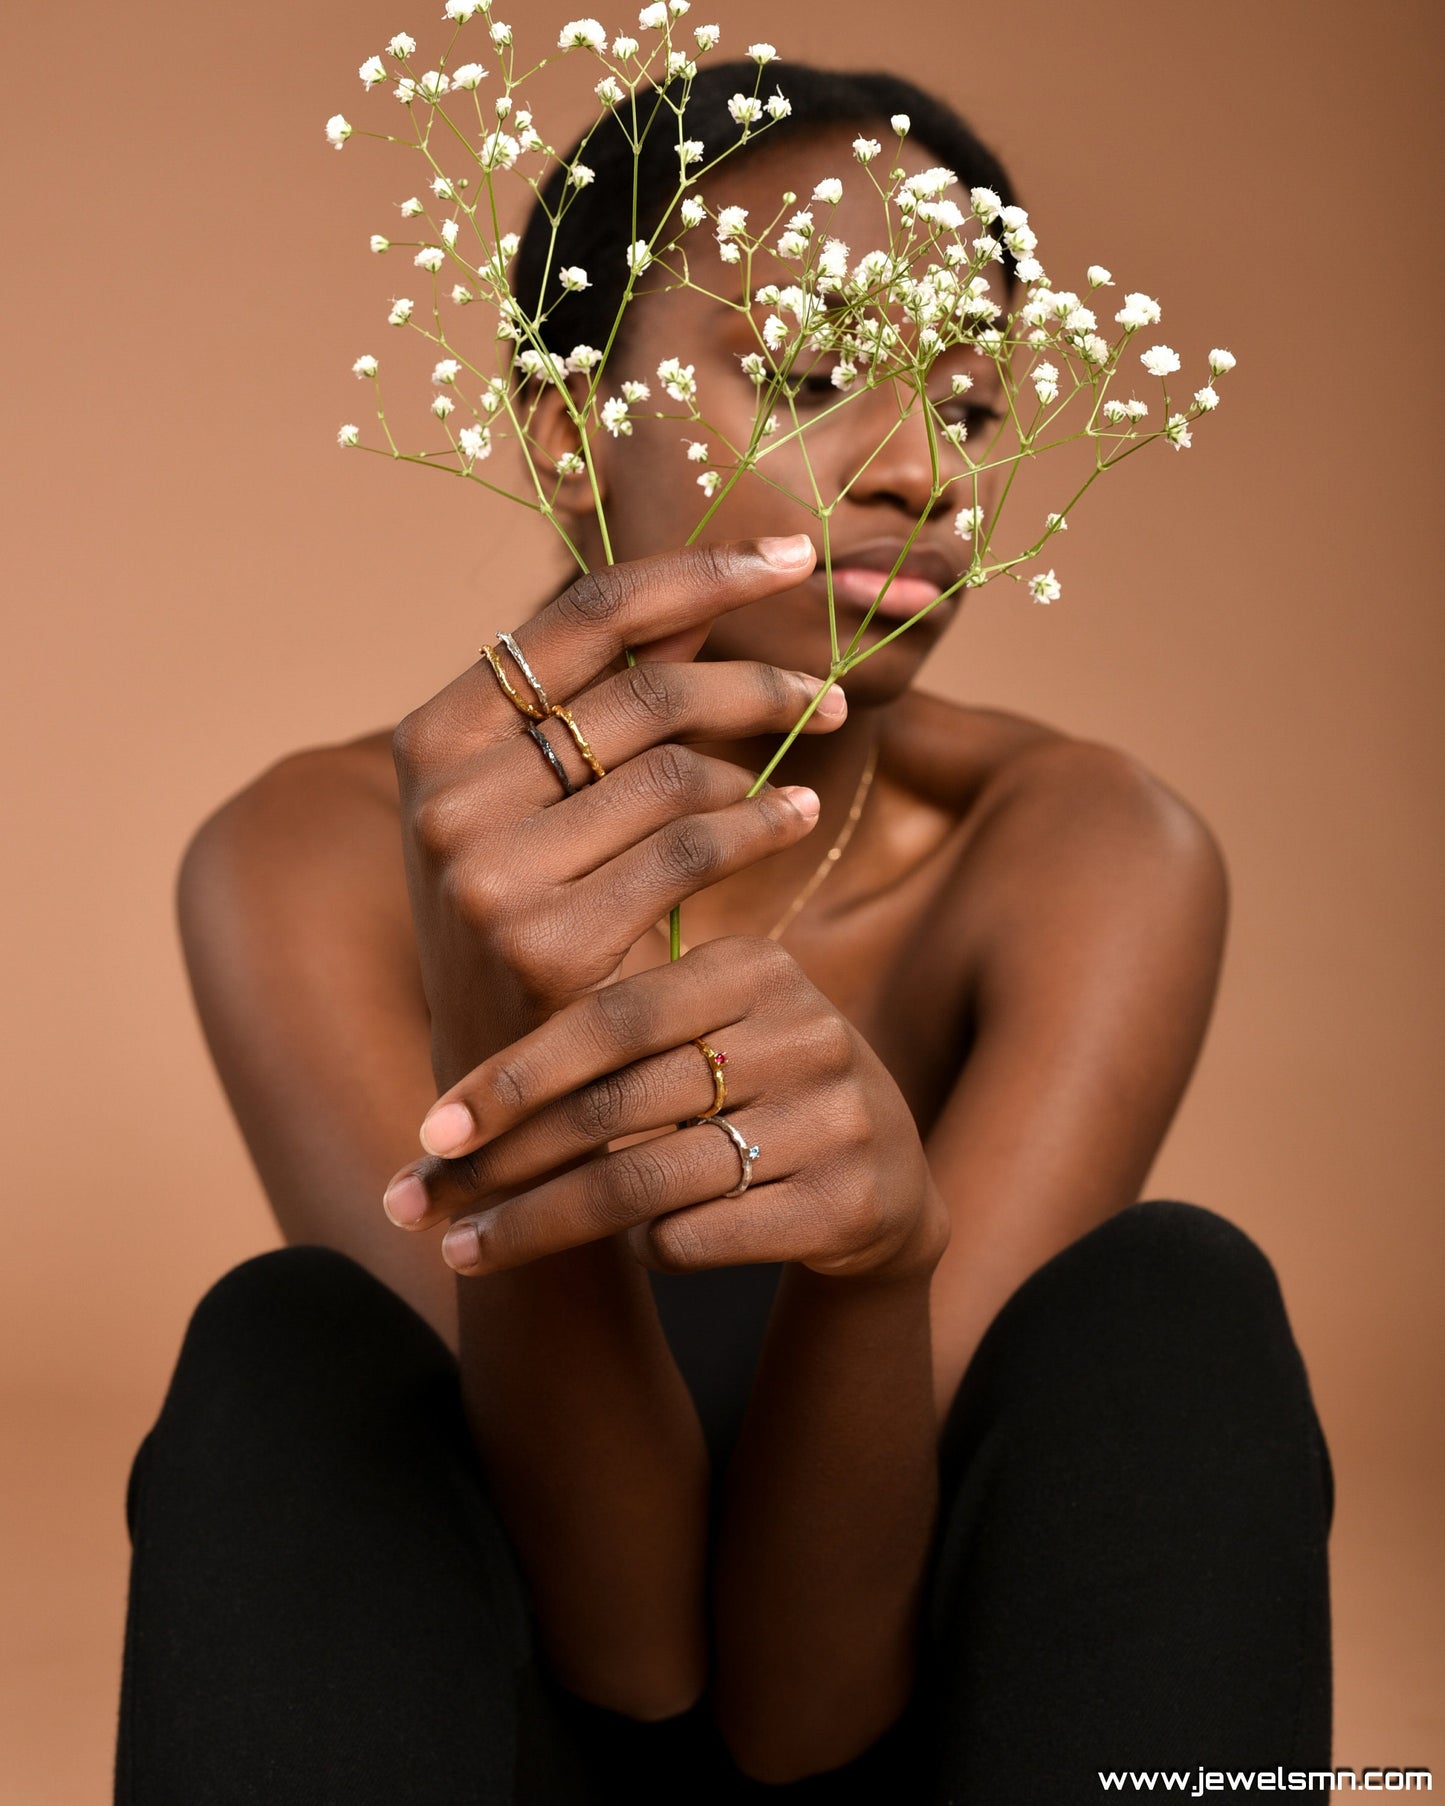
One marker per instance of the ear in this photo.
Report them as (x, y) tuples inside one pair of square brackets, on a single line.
[(553, 432)]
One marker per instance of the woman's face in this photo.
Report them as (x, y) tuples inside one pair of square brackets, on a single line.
[(650, 489)]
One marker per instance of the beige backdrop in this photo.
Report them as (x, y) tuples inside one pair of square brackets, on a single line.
[(205, 582)]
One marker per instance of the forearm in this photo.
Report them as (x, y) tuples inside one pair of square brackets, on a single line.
[(597, 1463), (829, 1507)]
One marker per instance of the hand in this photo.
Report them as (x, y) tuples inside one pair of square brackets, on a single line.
[(522, 897), (841, 1183)]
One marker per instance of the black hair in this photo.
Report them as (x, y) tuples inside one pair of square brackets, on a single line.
[(597, 225)]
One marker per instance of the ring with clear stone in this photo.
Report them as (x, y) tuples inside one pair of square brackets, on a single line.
[(748, 1151)]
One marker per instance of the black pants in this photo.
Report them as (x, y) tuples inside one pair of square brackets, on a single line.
[(1130, 1568)]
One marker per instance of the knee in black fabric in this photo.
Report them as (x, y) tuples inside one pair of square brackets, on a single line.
[(304, 1339), (1166, 1314), (320, 1571), (304, 1383), (1136, 1500), (306, 1303), (1163, 1288)]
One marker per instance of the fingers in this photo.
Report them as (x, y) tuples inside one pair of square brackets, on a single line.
[(635, 724), (777, 1223), (602, 1032), (661, 605), (653, 1094), (610, 1195), (619, 1061), (652, 704), (688, 854)]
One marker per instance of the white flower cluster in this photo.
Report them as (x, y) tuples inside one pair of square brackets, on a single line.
[(929, 288)]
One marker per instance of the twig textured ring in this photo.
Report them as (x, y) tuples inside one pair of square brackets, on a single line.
[(559, 770), (593, 763), (529, 709), (747, 1153), (715, 1063), (517, 653)]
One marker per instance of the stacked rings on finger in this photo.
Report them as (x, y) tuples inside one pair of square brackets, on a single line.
[(539, 710), (517, 653), (747, 1152), (513, 695)]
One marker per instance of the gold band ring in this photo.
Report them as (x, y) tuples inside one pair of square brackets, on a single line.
[(529, 709), (505, 639), (715, 1063), (719, 1086), (593, 763)]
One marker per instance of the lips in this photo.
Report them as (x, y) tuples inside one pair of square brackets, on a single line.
[(859, 573)]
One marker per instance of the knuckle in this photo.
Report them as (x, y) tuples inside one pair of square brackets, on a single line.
[(410, 740), (625, 1016), (849, 1122), (688, 851), (648, 1182), (775, 690), (715, 562), (591, 600), (472, 1174), (676, 1245), (527, 946), (625, 1186), (831, 1045), (435, 821), (602, 1108), (780, 819), (674, 772), (511, 1086), (476, 891), (774, 969), (652, 689)]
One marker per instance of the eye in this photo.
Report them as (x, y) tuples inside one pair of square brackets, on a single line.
[(817, 385), (959, 408)]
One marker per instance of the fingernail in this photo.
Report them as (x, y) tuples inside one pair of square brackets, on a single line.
[(834, 703), (461, 1245), (805, 801), (787, 552), (447, 1128), (405, 1201)]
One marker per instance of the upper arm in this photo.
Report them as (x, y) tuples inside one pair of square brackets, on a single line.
[(1099, 903), (294, 918)]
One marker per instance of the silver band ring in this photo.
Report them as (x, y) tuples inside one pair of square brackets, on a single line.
[(506, 640), (559, 770), (747, 1152)]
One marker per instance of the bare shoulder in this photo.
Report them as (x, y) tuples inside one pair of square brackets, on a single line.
[(1054, 827), (317, 827)]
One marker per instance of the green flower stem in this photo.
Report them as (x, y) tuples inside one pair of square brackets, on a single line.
[(513, 403)]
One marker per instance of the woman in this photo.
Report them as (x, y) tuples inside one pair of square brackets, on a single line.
[(1030, 1484)]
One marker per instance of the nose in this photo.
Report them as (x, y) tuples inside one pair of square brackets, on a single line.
[(899, 472)]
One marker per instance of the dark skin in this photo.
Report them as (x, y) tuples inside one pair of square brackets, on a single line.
[(965, 1056)]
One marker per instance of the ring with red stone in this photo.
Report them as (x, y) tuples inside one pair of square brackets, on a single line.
[(715, 1063)]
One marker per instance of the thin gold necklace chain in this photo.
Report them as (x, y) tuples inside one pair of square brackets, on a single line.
[(829, 859)]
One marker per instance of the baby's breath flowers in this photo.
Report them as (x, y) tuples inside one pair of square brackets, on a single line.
[(815, 306)]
